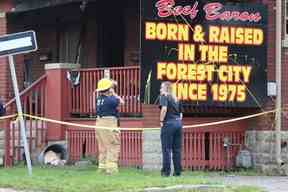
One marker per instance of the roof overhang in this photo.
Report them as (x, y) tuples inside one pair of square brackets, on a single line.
[(29, 5)]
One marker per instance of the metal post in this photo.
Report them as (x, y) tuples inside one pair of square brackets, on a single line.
[(20, 114), (278, 81)]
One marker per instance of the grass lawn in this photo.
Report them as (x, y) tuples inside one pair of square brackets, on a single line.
[(70, 179)]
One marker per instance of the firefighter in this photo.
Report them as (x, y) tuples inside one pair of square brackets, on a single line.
[(171, 130), (107, 103)]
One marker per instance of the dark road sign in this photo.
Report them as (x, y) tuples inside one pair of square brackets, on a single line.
[(18, 43)]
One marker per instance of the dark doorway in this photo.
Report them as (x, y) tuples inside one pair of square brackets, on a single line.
[(111, 34)]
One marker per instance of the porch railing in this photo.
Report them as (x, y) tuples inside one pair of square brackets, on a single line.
[(33, 102), (204, 149), (128, 79), (82, 143)]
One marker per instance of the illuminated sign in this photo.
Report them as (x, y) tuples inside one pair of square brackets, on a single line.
[(214, 53)]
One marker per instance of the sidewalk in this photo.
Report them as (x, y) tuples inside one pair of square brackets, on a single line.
[(270, 184), (267, 183)]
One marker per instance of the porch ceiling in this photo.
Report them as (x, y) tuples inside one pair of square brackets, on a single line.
[(27, 5)]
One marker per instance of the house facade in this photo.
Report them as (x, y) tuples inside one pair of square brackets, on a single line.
[(92, 39)]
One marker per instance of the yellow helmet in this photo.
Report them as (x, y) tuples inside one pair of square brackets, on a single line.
[(104, 84)]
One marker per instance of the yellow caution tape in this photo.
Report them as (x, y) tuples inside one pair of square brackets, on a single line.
[(67, 123), (156, 128), (231, 120)]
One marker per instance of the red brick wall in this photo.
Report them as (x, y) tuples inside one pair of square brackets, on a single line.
[(4, 76), (285, 89), (46, 40), (5, 81), (267, 122), (271, 29), (284, 80)]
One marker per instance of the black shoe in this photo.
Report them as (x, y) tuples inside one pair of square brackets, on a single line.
[(176, 174)]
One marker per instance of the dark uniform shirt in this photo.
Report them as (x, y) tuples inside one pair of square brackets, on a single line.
[(173, 107), (2, 109), (107, 106)]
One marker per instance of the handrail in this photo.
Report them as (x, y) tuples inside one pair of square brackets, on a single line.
[(103, 68), (25, 91), (33, 102)]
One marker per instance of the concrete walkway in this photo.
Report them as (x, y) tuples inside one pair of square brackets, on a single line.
[(270, 184)]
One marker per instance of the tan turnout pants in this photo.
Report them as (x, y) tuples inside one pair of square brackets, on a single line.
[(108, 144)]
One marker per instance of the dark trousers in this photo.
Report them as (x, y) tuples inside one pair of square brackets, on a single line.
[(171, 134)]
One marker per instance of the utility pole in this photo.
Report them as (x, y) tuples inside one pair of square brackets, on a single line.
[(278, 81)]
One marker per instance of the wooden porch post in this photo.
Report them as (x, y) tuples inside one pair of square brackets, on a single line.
[(57, 101)]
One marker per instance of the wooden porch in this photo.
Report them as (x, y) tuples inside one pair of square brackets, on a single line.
[(53, 96)]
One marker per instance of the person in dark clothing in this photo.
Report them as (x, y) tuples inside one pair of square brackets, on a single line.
[(107, 106), (2, 108), (171, 130)]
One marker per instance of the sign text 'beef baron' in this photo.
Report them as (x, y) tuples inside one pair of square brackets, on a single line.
[(214, 53)]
